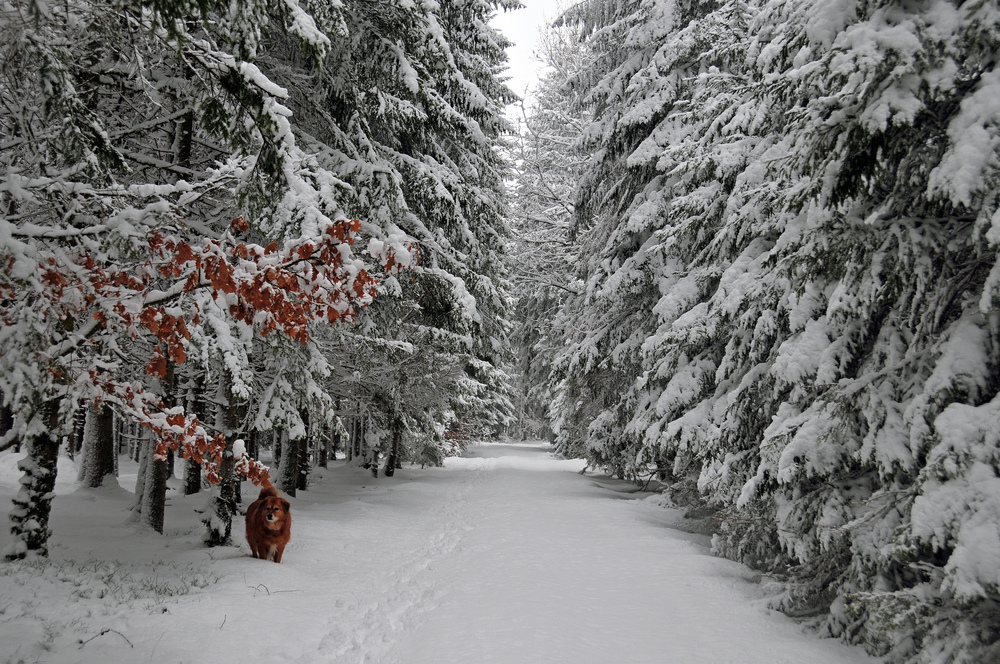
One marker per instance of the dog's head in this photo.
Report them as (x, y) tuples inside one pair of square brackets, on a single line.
[(274, 512)]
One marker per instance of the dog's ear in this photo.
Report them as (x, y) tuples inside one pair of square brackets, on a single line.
[(287, 505)]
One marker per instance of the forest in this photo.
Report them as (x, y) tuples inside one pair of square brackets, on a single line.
[(743, 252)]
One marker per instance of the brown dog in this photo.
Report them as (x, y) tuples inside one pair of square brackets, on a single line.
[(269, 524)]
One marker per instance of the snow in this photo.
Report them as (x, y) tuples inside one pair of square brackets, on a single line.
[(972, 154), (508, 555)]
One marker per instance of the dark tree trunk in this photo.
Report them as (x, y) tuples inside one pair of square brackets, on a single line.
[(79, 431), (192, 477), (154, 490), (6, 425), (219, 519), (196, 404), (99, 447), (288, 469), (359, 433), (349, 441), (322, 449), (29, 519), (302, 448), (253, 444), (392, 462)]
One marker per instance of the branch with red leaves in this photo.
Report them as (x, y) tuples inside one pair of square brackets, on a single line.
[(268, 288)]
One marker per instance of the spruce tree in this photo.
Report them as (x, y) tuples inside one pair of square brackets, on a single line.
[(791, 306)]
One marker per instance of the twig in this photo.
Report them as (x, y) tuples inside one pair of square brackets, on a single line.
[(155, 646), (102, 633), (224, 617), (258, 587)]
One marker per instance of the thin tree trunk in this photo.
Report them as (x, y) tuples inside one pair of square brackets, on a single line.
[(219, 519), (393, 460), (337, 438), (323, 450), (29, 519), (349, 443), (79, 431), (359, 432), (118, 426), (140, 478), (135, 441), (192, 469), (302, 447)]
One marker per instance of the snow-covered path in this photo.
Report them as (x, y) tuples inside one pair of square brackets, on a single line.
[(505, 556)]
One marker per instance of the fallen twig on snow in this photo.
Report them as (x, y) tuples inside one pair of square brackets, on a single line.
[(102, 633)]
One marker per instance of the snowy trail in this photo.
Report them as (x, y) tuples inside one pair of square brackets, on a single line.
[(558, 569), (507, 556)]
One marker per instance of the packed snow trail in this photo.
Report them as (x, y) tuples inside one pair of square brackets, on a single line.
[(506, 556)]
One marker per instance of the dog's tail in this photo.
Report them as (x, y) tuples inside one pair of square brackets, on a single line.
[(267, 489)]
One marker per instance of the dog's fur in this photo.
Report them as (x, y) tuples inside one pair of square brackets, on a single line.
[(269, 524)]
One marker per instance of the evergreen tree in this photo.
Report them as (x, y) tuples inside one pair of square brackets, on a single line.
[(545, 252), (791, 304), (406, 112)]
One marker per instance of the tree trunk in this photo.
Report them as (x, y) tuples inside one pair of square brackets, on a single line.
[(302, 448), (29, 518), (118, 428), (323, 449), (348, 443), (98, 447), (134, 441), (79, 431), (393, 460), (337, 438), (192, 477), (195, 403), (6, 425), (153, 504), (219, 518), (140, 478), (359, 432), (288, 470)]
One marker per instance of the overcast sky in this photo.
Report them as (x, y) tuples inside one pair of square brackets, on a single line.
[(522, 27)]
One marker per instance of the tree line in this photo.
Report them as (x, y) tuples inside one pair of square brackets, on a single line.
[(778, 292), (234, 224)]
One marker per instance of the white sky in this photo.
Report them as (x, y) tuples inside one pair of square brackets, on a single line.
[(522, 27)]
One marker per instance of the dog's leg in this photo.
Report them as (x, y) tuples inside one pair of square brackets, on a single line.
[(280, 549)]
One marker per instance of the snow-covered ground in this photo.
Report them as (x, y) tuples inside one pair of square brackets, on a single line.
[(507, 556)]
